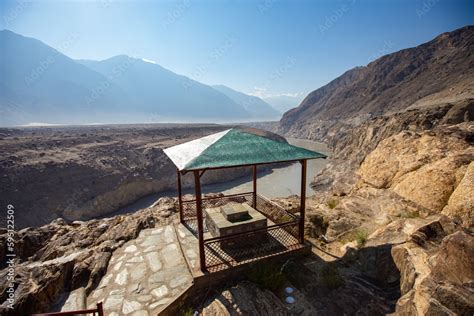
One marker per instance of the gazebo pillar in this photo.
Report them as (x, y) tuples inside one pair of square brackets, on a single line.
[(180, 198), (197, 186), (254, 196), (303, 200)]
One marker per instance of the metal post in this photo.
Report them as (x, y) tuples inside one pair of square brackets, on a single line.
[(180, 198), (303, 200), (100, 310), (197, 186), (254, 200)]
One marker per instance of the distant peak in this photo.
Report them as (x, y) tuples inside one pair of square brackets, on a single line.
[(149, 61), (126, 57), (11, 33), (119, 57), (6, 31)]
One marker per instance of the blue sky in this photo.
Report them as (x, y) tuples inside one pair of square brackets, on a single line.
[(261, 47)]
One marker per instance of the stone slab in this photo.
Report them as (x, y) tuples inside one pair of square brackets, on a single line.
[(219, 226), (235, 212)]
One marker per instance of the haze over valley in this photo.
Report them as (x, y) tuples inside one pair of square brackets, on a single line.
[(118, 201), (46, 86)]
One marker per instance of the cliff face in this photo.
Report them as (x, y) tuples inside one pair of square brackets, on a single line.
[(351, 145), (79, 173), (408, 137), (436, 273), (411, 267), (443, 67), (425, 168), (401, 132), (59, 257)]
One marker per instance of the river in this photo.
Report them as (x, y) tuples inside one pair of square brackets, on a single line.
[(278, 182)]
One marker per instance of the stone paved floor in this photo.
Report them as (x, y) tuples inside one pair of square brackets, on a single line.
[(143, 275), (190, 246)]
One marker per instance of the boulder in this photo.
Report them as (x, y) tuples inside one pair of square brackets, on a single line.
[(245, 298), (461, 202), (436, 274), (432, 185), (429, 169), (407, 152)]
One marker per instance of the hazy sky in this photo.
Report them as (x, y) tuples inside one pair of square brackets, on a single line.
[(262, 47)]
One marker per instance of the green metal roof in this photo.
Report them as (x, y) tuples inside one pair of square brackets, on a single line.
[(235, 147)]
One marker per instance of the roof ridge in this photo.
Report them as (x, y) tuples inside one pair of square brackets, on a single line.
[(274, 150)]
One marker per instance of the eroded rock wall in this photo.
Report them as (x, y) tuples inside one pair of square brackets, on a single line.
[(79, 173), (59, 257)]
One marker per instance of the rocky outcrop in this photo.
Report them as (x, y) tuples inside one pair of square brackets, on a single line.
[(413, 173), (425, 168), (401, 135), (78, 173), (461, 202), (436, 271), (400, 155), (245, 298), (351, 144), (60, 257)]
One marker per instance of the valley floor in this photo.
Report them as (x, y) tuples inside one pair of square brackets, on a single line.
[(391, 229), (84, 172)]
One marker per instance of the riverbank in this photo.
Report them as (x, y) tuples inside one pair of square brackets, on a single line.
[(84, 172), (274, 183), (280, 182)]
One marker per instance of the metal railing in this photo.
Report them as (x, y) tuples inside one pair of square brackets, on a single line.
[(99, 311), (230, 251), (189, 207), (281, 235)]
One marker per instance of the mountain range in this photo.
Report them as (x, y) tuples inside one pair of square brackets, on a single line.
[(441, 70), (40, 84), (283, 103), (401, 135), (252, 104)]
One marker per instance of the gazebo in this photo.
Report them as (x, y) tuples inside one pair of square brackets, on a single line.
[(239, 228)]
